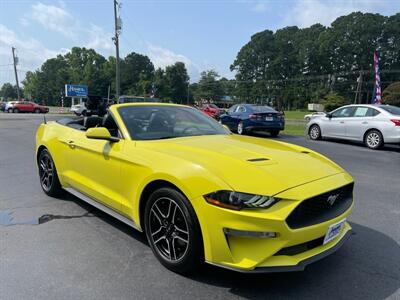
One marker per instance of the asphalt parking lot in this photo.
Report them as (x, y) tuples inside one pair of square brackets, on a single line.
[(66, 249)]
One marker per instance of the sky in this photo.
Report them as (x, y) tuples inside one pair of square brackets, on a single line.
[(204, 34)]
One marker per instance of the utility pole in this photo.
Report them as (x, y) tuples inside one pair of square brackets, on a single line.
[(118, 27), (357, 98), (15, 60), (187, 99)]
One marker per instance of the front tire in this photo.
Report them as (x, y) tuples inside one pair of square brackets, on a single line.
[(173, 231), (37, 111), (315, 132), (48, 174), (15, 110), (240, 128), (373, 139)]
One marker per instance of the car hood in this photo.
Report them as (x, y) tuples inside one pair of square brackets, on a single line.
[(248, 164)]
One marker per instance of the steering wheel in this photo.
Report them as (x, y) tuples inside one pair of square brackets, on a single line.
[(190, 127)]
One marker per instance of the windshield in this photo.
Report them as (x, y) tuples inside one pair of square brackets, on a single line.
[(394, 110), (152, 122)]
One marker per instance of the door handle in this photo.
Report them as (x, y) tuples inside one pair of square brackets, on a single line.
[(71, 144), (365, 122), (341, 122)]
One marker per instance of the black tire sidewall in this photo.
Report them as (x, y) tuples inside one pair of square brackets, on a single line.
[(195, 253), (55, 189)]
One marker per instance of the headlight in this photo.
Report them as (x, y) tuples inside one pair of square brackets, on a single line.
[(238, 201)]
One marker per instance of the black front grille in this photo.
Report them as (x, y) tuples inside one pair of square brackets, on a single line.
[(321, 208), (300, 248)]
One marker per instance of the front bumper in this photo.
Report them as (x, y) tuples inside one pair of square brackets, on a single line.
[(252, 254)]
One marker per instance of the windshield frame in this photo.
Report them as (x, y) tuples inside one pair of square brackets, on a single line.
[(128, 132)]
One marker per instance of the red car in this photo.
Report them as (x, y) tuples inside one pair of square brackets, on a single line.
[(31, 107), (211, 110)]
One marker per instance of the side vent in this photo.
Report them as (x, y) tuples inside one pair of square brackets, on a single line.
[(305, 152), (257, 159)]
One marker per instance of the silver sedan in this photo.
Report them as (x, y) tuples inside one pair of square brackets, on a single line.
[(374, 125)]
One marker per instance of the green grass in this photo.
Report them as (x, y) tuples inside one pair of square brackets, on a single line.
[(295, 114), (294, 129)]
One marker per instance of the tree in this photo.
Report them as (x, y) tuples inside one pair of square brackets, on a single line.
[(8, 91), (137, 73), (391, 95), (208, 86), (177, 82), (290, 65), (333, 101)]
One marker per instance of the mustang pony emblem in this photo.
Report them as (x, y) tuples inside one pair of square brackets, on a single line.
[(331, 199)]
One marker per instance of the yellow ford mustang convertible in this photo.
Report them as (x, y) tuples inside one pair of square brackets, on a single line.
[(198, 191)]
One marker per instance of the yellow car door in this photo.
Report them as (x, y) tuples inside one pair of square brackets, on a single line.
[(96, 168)]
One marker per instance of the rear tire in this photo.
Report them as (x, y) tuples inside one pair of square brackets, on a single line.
[(314, 132), (274, 133), (10, 110), (48, 175), (373, 139), (15, 110), (240, 128), (173, 231)]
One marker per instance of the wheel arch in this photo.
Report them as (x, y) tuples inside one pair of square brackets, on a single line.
[(369, 130), (39, 150), (148, 190), (311, 125)]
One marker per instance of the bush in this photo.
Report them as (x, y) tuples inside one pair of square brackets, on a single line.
[(332, 101), (391, 95)]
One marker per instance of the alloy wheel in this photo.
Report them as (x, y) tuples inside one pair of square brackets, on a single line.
[(373, 140), (169, 231), (314, 132), (240, 128), (46, 172)]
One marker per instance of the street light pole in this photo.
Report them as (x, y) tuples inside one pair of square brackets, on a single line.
[(117, 21)]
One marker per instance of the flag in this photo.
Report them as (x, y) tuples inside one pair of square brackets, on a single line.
[(376, 96)]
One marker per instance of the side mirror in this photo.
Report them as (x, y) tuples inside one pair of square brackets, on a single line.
[(100, 133), (329, 116)]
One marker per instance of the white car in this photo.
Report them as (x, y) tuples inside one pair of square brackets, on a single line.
[(314, 114), (78, 109), (9, 106), (374, 125)]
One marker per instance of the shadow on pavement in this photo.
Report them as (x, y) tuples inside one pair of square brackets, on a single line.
[(344, 274), (366, 267)]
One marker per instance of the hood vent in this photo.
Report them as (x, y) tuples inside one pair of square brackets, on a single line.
[(257, 159)]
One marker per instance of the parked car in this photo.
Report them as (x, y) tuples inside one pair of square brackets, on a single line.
[(92, 105), (78, 109), (211, 110), (30, 107), (9, 106), (3, 106), (374, 125), (314, 114), (199, 193), (244, 118)]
